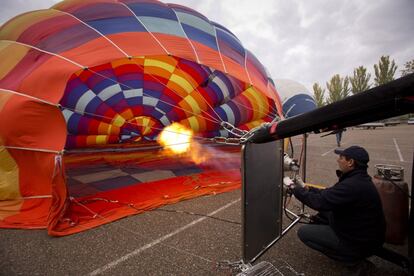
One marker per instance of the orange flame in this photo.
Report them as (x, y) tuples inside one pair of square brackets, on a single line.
[(176, 138)]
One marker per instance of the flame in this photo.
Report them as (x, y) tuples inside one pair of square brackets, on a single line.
[(176, 138)]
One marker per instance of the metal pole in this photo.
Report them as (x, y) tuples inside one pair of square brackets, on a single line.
[(303, 165), (411, 227)]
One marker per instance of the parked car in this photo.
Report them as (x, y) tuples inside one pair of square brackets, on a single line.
[(410, 121)]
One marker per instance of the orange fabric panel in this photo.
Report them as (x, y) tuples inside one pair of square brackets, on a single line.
[(51, 76), (144, 197), (235, 70), (28, 123), (208, 56), (177, 46), (137, 44), (32, 213)]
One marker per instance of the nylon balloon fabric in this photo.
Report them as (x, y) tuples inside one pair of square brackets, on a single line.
[(110, 75)]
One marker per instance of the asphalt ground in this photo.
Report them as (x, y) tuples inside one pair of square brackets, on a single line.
[(166, 242)]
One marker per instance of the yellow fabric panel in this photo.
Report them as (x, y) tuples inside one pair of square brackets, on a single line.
[(118, 121), (194, 124), (258, 101), (157, 73), (127, 114), (10, 56), (193, 104), (105, 128), (200, 100), (10, 207), (13, 29), (186, 76), (101, 139), (182, 82), (156, 63), (9, 175), (177, 89)]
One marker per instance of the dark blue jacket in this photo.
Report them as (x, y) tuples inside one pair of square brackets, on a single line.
[(356, 213)]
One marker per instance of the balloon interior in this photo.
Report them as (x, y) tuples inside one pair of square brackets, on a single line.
[(110, 108)]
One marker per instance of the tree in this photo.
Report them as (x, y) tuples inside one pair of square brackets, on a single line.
[(408, 68), (384, 70), (338, 88), (360, 80), (318, 94)]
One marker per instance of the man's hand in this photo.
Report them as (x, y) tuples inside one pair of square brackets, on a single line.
[(260, 134), (299, 182), (288, 182), (291, 184)]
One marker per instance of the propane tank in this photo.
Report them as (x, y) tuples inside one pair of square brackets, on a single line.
[(389, 181)]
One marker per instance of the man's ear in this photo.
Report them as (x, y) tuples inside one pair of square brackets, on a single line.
[(351, 163)]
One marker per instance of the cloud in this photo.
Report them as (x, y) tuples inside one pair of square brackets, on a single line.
[(306, 41)]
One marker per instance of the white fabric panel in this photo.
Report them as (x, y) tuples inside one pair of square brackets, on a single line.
[(67, 114), (132, 93), (109, 92), (84, 101), (164, 120), (229, 113), (223, 87), (195, 22), (149, 101)]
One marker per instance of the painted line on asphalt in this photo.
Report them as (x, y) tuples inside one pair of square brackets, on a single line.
[(398, 150), (323, 154), (157, 241)]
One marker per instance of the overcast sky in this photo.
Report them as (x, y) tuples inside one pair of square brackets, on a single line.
[(306, 41)]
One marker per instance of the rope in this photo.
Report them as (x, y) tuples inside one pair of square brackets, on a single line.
[(36, 149), (28, 96)]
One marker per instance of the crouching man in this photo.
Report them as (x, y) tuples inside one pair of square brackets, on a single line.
[(350, 224)]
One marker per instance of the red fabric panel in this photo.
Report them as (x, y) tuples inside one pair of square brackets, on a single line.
[(144, 197)]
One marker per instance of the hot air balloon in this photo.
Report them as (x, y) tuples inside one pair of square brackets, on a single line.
[(86, 87), (296, 98)]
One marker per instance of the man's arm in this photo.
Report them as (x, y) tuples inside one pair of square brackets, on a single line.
[(324, 200)]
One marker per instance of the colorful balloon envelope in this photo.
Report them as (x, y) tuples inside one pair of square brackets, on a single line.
[(86, 87)]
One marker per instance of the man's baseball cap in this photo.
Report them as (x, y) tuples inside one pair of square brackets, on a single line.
[(357, 153)]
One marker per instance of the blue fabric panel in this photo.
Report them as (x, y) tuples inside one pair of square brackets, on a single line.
[(114, 183), (233, 44), (237, 115), (221, 113), (200, 36), (187, 171), (152, 10), (164, 106), (72, 124), (105, 83), (115, 99), (117, 25), (93, 105), (152, 93), (134, 101), (217, 94), (298, 104), (72, 96), (128, 84)]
